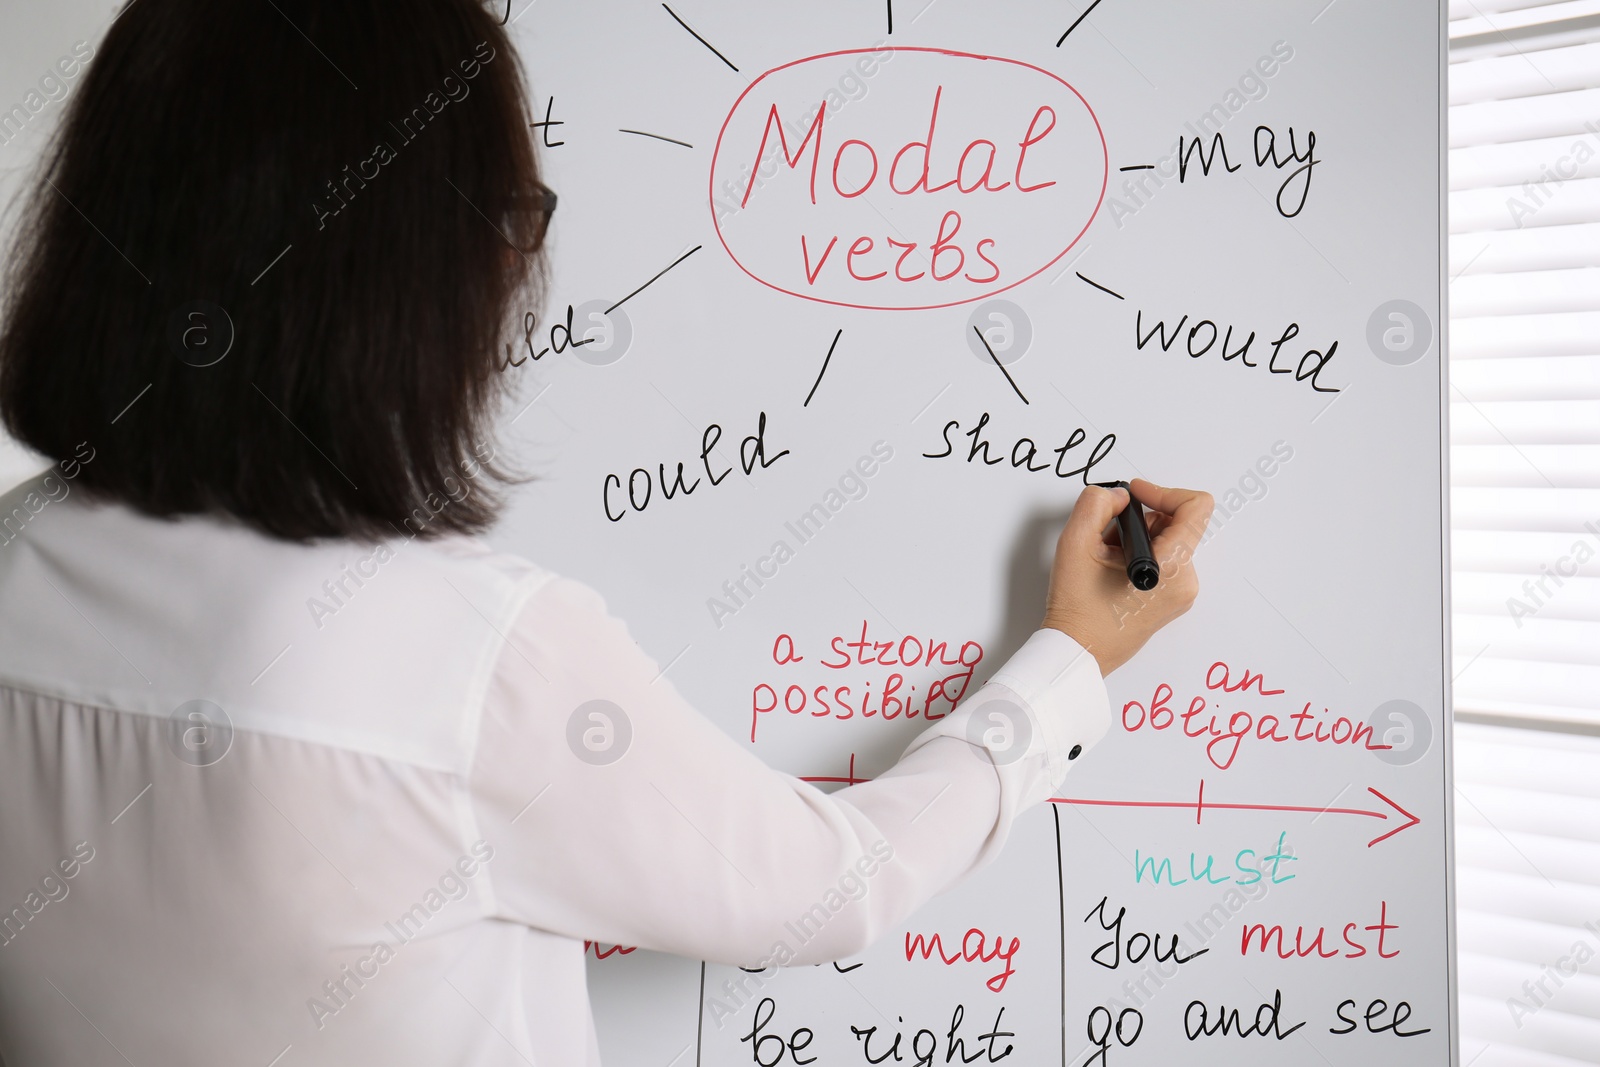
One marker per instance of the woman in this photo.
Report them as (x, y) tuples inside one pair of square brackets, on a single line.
[(285, 772)]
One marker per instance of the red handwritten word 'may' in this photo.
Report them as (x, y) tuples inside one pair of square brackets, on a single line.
[(991, 168), (972, 950)]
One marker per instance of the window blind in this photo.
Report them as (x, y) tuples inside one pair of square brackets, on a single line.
[(1528, 896), (1525, 359), (1524, 152)]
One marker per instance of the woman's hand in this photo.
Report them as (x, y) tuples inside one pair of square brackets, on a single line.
[(1090, 597)]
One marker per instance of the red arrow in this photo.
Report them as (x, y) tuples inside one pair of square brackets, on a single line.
[(1200, 807), (1198, 804), (1411, 820)]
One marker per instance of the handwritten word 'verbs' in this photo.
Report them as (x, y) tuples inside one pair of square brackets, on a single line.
[(966, 153)]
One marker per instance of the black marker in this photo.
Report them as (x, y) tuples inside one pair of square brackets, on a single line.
[(1142, 569)]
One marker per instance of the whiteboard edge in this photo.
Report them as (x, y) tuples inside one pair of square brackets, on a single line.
[(1452, 1002)]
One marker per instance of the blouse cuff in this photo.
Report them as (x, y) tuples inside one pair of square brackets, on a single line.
[(1039, 713)]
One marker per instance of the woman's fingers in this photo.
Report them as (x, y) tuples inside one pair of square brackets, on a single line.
[(1092, 601), (1095, 510), (1186, 514)]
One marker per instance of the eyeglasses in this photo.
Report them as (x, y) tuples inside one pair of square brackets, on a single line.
[(544, 199), (547, 208)]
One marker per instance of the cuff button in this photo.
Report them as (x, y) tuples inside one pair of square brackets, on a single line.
[(1076, 750)]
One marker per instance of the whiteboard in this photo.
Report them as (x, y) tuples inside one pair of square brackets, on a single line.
[(1010, 256)]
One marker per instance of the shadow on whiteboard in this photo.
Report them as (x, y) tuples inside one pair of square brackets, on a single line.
[(1028, 576)]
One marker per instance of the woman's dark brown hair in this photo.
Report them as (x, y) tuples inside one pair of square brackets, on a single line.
[(340, 195)]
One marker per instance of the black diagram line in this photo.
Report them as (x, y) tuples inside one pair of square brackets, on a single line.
[(700, 1020), (1100, 287), (824, 369), (707, 43), (1075, 22), (985, 342), (657, 136), (891, 15), (1139, 166), (652, 281), (1061, 919)]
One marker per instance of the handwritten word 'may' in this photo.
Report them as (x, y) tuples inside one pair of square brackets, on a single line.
[(974, 948), (1296, 186)]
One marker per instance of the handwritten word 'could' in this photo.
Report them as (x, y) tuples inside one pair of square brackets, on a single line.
[(641, 485)]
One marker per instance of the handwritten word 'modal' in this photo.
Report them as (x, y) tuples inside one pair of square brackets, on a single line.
[(965, 151)]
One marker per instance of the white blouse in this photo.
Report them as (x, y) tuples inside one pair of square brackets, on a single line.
[(263, 802)]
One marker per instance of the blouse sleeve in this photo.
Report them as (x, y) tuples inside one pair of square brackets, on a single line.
[(619, 814)]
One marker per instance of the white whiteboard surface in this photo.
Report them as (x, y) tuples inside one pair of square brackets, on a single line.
[(1322, 575)]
